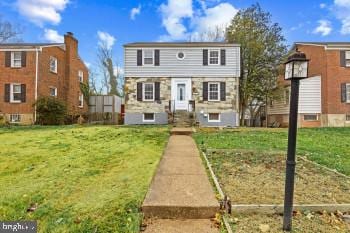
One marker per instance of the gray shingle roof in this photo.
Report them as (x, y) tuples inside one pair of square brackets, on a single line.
[(180, 44)]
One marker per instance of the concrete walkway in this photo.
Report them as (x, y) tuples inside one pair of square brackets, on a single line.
[(180, 190)]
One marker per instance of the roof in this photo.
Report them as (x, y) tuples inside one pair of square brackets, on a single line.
[(325, 43), (28, 45), (181, 44)]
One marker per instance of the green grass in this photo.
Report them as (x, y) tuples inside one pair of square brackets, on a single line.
[(326, 146), (83, 179)]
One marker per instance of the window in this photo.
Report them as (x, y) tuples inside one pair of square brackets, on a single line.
[(16, 59), (81, 101), (347, 58), (348, 92), (148, 117), (148, 91), (286, 96), (347, 117), (16, 93), (53, 91), (53, 64), (214, 57), (213, 91), (311, 117), (14, 118), (214, 117), (148, 57), (81, 76)]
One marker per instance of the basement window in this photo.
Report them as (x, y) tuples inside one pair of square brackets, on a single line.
[(347, 118), (311, 117), (148, 117), (214, 117), (15, 118)]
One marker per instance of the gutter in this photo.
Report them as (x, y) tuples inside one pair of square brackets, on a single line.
[(36, 79)]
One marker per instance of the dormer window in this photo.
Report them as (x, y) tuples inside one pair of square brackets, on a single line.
[(148, 57), (16, 59)]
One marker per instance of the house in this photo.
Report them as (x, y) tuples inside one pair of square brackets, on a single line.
[(324, 99), (170, 79), (32, 70)]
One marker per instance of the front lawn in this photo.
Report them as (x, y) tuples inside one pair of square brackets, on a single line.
[(327, 146), (78, 179)]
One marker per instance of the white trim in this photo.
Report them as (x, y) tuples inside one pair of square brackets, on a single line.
[(13, 59), (56, 64), (55, 88), (143, 57), (11, 93), (219, 57), (15, 114), (181, 105), (219, 120), (143, 92), (81, 76), (36, 79), (219, 97), (81, 99), (143, 117)]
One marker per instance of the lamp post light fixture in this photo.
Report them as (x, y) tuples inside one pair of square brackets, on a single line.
[(296, 68)]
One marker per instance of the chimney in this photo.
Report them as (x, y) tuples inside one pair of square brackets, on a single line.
[(71, 45)]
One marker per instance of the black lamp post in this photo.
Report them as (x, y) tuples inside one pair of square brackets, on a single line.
[(295, 70)]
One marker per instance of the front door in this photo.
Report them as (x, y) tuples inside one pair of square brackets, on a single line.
[(181, 93)]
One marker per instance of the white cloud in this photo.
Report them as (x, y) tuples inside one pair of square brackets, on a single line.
[(88, 64), (135, 11), (342, 12), (53, 36), (344, 3), (106, 39), (323, 5), (324, 28), (42, 11)]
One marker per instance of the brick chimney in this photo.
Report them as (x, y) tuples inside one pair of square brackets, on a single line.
[(71, 45)]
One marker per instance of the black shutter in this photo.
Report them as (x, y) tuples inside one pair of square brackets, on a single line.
[(139, 91), (157, 91), (7, 59), (342, 59), (205, 91), (23, 93), (24, 58), (7, 93), (156, 57), (343, 92), (139, 57), (223, 57), (205, 57), (222, 91)]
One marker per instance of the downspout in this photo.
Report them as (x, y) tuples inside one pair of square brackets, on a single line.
[(36, 80)]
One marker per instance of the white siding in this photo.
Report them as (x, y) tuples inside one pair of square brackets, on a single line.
[(191, 66), (309, 98)]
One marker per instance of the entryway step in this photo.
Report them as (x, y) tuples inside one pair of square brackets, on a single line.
[(180, 226), (181, 131)]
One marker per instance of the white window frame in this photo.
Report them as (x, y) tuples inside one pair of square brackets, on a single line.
[(54, 88), (145, 120), (12, 100), (81, 76), (347, 58), (311, 114), (144, 89), (209, 52), (81, 100), (144, 57), (209, 120), (347, 89), (219, 97), (56, 64), (18, 116), (13, 60)]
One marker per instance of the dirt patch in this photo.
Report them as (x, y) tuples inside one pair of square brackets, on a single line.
[(258, 178), (302, 223)]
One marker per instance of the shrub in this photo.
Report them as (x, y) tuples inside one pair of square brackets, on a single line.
[(50, 110)]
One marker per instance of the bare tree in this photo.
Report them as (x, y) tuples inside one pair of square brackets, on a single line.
[(216, 34), (94, 89), (9, 32)]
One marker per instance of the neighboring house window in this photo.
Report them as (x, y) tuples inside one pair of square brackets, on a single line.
[(214, 57), (347, 58), (311, 117), (348, 92), (81, 76), (53, 91), (214, 91), (286, 96), (148, 91), (16, 59), (81, 100), (148, 57), (53, 64), (347, 117), (14, 118), (15, 93), (148, 117), (214, 117)]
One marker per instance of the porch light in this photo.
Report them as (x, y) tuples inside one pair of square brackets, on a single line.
[(296, 66)]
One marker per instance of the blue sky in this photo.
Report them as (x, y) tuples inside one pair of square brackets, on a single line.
[(118, 22)]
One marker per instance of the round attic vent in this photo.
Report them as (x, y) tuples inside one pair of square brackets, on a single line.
[(180, 55)]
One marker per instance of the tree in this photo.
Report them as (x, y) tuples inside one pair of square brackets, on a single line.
[(216, 34), (51, 111), (262, 51), (8, 32), (111, 74)]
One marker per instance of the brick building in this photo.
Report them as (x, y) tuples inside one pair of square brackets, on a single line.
[(325, 96), (29, 71)]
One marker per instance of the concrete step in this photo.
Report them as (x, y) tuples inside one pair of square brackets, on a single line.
[(181, 131), (180, 226)]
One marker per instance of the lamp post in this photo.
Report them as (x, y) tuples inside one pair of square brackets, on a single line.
[(296, 68)]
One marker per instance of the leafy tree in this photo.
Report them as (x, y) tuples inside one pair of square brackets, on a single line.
[(262, 51), (51, 111), (8, 31)]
